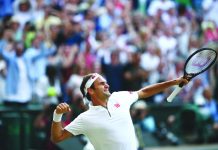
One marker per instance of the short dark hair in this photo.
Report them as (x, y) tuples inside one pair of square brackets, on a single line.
[(82, 86)]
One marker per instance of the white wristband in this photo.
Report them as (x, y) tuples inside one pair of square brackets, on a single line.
[(57, 117)]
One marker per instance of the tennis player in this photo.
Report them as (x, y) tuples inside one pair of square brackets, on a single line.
[(107, 123)]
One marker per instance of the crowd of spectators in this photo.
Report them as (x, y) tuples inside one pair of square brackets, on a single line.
[(46, 47)]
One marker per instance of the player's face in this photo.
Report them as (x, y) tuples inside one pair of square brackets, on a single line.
[(101, 88)]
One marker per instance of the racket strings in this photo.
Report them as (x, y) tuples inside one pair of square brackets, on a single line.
[(200, 61)]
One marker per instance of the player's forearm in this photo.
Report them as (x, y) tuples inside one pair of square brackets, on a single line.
[(56, 132), (56, 128), (156, 88)]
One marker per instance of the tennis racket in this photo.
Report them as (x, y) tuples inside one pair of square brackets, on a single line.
[(198, 62)]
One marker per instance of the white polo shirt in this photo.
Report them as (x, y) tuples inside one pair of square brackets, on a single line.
[(108, 128)]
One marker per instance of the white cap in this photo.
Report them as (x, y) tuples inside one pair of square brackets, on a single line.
[(140, 105)]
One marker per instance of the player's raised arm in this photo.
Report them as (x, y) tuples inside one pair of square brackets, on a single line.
[(57, 131), (158, 87)]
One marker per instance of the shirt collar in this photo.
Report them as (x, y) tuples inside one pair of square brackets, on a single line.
[(91, 106)]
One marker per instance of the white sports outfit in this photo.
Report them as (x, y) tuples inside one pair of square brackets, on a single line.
[(108, 128)]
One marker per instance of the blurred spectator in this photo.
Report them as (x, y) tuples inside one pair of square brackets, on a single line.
[(161, 5), (48, 87), (188, 124), (103, 45), (17, 31), (106, 15), (18, 84), (29, 34), (216, 82), (20, 75), (51, 20), (168, 50), (210, 31), (39, 14), (144, 123), (113, 72), (23, 11), (65, 58), (134, 75), (48, 92), (72, 33), (73, 85), (87, 58), (210, 106), (210, 111), (141, 6), (150, 61), (7, 40), (37, 56), (210, 9), (141, 116), (2, 79), (183, 33), (194, 93)]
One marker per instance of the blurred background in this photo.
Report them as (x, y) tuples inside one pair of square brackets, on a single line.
[(46, 46)]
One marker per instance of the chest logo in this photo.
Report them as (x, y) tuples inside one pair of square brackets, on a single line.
[(117, 105)]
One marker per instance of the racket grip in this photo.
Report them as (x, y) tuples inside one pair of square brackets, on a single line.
[(174, 93)]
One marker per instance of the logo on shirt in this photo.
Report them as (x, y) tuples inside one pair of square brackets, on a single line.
[(117, 105)]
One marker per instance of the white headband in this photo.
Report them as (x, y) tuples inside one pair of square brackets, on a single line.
[(91, 81)]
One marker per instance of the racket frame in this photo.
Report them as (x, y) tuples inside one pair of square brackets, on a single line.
[(189, 76)]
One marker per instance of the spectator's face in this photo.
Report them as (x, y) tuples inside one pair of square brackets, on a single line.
[(68, 27), (36, 42), (76, 27), (171, 11), (136, 58), (73, 1), (8, 34), (197, 83), (120, 30), (115, 58), (19, 49), (15, 25), (54, 31), (141, 113), (40, 3), (90, 15), (24, 7), (179, 66), (207, 94)]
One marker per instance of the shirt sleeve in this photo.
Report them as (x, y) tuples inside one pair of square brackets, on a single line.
[(76, 127)]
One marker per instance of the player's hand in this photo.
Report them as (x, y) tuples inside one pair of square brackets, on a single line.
[(185, 80), (182, 80), (62, 108)]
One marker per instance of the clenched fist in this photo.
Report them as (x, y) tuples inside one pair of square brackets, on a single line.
[(62, 108)]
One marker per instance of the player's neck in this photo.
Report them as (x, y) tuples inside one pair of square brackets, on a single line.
[(99, 102)]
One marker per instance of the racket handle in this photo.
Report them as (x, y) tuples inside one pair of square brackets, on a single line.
[(174, 93)]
